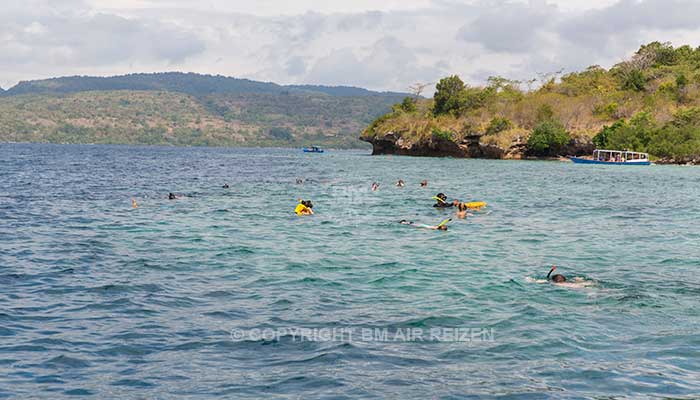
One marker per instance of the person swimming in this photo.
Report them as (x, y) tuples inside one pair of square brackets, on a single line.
[(556, 278), (441, 201), (400, 183), (226, 186), (576, 282), (171, 196), (424, 183), (134, 204), (304, 208), (442, 226), (299, 181), (375, 186), (461, 209)]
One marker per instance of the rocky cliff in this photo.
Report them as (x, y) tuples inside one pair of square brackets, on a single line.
[(467, 146)]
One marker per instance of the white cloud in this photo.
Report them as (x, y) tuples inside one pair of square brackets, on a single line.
[(380, 45)]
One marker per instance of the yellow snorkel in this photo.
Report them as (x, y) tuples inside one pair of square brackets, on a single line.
[(444, 222), (439, 199)]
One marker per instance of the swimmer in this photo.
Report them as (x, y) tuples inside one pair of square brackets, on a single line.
[(441, 201), (442, 226), (424, 183), (556, 278), (576, 282), (304, 208), (375, 186), (226, 186), (299, 181), (400, 183), (171, 196), (461, 209), (134, 204)]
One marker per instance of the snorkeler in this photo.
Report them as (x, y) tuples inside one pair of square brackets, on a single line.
[(441, 201), (442, 226), (400, 183), (304, 208), (556, 278)]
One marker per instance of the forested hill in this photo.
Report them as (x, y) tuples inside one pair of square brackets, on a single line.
[(176, 108), (649, 102)]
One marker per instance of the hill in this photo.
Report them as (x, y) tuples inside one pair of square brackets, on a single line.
[(650, 102), (187, 109)]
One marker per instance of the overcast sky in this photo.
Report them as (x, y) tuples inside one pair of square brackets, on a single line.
[(387, 44)]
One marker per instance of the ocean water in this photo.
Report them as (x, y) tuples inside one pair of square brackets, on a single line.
[(226, 293)]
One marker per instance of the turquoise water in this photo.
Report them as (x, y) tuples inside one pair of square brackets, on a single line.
[(99, 299)]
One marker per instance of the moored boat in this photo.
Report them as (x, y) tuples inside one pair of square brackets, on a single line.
[(614, 157)]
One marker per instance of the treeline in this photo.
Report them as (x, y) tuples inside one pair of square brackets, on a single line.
[(650, 102), (190, 83)]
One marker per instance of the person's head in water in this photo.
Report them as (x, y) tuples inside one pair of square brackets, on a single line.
[(171, 196), (424, 183), (556, 278), (226, 186), (441, 228), (441, 201), (307, 203)]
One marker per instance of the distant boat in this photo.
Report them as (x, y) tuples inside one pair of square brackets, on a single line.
[(313, 149), (614, 157)]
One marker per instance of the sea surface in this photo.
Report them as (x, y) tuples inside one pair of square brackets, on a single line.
[(226, 293)]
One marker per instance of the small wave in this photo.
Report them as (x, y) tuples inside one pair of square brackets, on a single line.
[(66, 361), (137, 383), (79, 392)]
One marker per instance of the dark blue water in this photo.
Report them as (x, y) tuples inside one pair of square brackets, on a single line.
[(172, 299)]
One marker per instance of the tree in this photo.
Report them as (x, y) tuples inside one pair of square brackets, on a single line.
[(634, 80), (498, 124), (418, 87), (281, 133), (633, 135), (449, 95), (548, 138), (408, 104)]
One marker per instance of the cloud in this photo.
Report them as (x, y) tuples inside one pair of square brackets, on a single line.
[(623, 22), (510, 27), (387, 63), (95, 40), (385, 46)]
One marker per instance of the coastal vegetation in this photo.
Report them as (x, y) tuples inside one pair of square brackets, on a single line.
[(649, 102), (187, 109)]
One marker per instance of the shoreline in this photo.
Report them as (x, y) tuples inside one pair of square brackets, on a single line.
[(689, 163)]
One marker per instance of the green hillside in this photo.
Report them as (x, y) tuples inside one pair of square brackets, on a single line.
[(650, 102), (187, 109)]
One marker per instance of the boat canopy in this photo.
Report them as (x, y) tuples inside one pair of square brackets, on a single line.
[(618, 155)]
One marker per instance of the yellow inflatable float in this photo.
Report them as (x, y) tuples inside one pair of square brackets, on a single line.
[(476, 205)]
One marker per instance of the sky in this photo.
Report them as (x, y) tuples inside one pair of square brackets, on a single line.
[(381, 45)]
